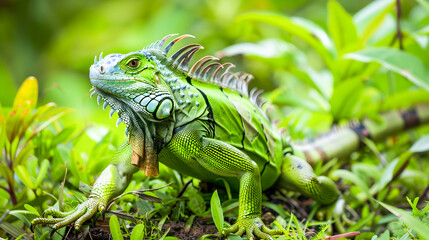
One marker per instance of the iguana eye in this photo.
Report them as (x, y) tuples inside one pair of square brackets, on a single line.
[(134, 63)]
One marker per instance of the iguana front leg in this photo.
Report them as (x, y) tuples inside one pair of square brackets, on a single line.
[(225, 160), (111, 183)]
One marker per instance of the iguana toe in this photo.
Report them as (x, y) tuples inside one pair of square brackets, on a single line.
[(252, 227), (79, 215)]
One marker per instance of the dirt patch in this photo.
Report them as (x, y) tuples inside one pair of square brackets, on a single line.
[(177, 229)]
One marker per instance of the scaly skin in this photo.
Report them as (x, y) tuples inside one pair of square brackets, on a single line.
[(205, 127)]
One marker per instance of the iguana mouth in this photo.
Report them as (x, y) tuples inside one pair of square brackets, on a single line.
[(138, 131), (115, 104)]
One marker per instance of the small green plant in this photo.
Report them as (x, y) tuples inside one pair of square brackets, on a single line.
[(415, 222), (24, 122), (217, 212)]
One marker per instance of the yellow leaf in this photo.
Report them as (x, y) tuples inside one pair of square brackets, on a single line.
[(27, 94)]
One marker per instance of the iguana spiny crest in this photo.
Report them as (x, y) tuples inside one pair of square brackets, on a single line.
[(147, 78)]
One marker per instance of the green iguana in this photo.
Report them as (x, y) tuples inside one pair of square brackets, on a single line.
[(203, 122)]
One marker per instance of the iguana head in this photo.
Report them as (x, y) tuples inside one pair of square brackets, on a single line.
[(134, 87)]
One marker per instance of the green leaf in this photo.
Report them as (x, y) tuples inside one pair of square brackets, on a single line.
[(42, 172), (416, 211), (385, 236), (397, 61), (11, 229), (362, 222), (5, 172), (165, 235), (216, 209), (189, 223), (267, 48), (21, 236), (227, 188), (317, 31), (422, 145), (287, 24), (412, 222), (115, 228), (234, 237), (138, 232), (347, 175), (20, 214), (196, 204), (403, 99), (341, 27), (370, 18), (31, 209), (22, 173), (23, 155), (424, 3), (346, 99), (276, 207)]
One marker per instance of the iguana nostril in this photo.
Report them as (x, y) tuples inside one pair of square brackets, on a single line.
[(102, 69)]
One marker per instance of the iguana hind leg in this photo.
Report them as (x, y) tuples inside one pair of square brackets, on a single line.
[(227, 161), (298, 175)]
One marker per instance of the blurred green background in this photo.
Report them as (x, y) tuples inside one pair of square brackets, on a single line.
[(56, 41)]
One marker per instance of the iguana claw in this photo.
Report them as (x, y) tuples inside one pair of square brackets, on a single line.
[(79, 215), (252, 227)]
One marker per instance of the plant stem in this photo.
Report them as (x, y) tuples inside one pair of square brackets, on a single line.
[(398, 24), (11, 192)]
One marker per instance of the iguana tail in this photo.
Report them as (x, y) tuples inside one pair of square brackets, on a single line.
[(342, 142)]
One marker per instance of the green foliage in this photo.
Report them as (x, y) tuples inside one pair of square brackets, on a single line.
[(24, 123), (411, 221)]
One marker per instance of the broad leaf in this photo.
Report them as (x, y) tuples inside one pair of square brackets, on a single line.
[(31, 209), (286, 24), (346, 99), (422, 145), (217, 213), (398, 61), (22, 173), (115, 228), (341, 28), (317, 31), (370, 18), (27, 94), (44, 166), (138, 232)]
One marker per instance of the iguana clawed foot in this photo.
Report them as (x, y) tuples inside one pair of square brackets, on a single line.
[(252, 226), (79, 215)]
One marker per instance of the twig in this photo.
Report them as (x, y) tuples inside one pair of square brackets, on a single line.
[(184, 189), (4, 215), (398, 24)]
